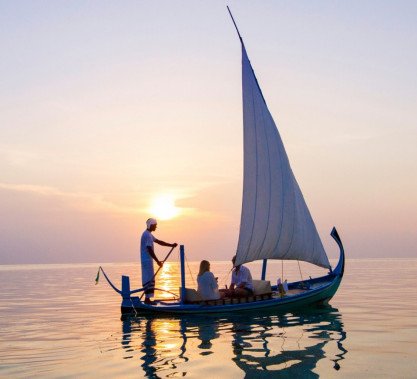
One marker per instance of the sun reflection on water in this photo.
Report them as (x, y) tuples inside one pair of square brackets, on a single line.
[(168, 276)]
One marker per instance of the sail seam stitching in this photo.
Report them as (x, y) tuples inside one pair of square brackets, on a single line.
[(293, 223), (270, 183), (256, 155), (277, 135)]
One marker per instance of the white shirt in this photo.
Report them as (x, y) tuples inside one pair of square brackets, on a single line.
[(207, 286), (242, 276), (145, 241)]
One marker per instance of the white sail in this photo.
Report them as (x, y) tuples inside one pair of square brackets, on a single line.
[(275, 221)]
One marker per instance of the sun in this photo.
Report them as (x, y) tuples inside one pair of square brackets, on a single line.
[(163, 207)]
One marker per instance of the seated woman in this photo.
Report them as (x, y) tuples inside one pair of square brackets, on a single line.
[(207, 283)]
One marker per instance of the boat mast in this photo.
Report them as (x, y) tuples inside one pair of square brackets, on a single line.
[(264, 269), (182, 291)]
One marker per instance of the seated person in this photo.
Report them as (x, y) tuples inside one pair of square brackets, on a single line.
[(241, 285), (207, 283)]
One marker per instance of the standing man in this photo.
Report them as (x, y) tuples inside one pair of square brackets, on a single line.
[(147, 256)]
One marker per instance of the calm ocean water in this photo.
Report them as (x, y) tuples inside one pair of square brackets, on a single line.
[(56, 323)]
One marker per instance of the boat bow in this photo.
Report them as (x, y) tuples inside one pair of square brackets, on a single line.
[(340, 267)]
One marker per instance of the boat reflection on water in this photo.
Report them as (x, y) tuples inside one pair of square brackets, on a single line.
[(259, 345), (295, 350)]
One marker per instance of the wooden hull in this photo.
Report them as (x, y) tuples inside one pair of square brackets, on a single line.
[(320, 291), (321, 294)]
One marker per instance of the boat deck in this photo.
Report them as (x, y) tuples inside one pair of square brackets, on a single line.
[(240, 300)]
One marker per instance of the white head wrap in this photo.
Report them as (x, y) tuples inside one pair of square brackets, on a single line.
[(150, 221)]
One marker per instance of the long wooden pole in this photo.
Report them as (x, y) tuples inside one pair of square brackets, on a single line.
[(156, 273), (172, 249)]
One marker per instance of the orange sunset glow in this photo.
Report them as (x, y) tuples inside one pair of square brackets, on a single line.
[(138, 116)]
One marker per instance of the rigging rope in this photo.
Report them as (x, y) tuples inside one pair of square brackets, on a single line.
[(226, 277), (299, 268), (192, 277), (133, 307)]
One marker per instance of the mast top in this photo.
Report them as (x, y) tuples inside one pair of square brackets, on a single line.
[(234, 23)]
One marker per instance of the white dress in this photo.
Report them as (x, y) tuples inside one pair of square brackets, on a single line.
[(208, 287)]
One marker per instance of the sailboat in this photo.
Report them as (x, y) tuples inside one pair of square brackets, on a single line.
[(275, 223)]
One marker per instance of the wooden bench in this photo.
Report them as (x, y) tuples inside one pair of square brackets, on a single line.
[(261, 291)]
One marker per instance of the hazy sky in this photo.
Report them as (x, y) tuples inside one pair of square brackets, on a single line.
[(105, 105)]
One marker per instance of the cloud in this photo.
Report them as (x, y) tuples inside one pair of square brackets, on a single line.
[(96, 202), (79, 200), (16, 157)]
